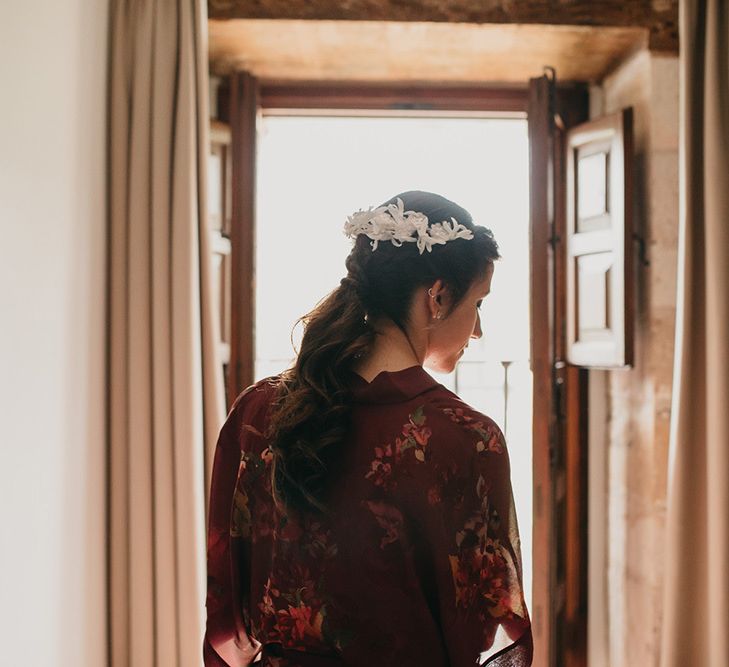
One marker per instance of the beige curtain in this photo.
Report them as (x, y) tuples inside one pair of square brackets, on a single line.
[(696, 609), (165, 393)]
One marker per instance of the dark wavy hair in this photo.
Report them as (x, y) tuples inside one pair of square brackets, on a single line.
[(310, 418)]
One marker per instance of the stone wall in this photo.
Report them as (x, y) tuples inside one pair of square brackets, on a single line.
[(636, 408)]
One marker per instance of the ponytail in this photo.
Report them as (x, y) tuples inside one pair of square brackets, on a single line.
[(312, 415)]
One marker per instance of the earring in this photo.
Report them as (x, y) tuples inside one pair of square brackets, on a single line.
[(432, 296)]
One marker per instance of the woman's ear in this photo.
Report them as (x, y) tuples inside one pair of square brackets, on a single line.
[(436, 292)]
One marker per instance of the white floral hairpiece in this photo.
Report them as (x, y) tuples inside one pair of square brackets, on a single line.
[(393, 223)]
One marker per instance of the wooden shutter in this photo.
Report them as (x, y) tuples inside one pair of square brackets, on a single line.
[(219, 214), (599, 243)]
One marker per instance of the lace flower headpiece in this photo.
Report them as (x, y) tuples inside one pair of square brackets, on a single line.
[(393, 223)]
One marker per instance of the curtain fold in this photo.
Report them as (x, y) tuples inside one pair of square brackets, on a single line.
[(165, 386), (696, 595)]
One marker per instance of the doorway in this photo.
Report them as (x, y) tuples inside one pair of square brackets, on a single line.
[(314, 170)]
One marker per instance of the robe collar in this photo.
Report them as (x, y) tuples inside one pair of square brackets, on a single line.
[(391, 386)]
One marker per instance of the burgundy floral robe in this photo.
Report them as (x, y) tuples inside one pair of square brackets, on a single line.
[(419, 566)]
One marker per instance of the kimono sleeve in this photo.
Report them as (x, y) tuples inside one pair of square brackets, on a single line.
[(474, 545), (226, 642)]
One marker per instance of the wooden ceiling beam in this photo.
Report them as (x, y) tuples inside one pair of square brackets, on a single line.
[(658, 17)]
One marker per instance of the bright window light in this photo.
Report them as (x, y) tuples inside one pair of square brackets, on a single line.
[(315, 171)]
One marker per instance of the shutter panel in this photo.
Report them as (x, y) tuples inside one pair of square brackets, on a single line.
[(219, 182), (599, 243)]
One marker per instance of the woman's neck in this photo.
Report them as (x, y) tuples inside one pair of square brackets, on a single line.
[(392, 351)]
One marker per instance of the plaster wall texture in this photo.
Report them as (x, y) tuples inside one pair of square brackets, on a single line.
[(52, 275), (638, 400)]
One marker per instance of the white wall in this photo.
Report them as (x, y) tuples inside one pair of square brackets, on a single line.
[(52, 246)]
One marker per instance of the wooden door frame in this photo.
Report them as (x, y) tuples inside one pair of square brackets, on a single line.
[(541, 204), (560, 393), (392, 100), (239, 101), (560, 396)]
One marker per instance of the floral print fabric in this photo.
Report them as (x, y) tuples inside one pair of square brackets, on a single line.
[(418, 565)]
